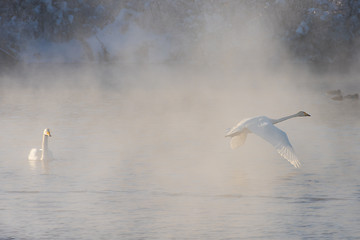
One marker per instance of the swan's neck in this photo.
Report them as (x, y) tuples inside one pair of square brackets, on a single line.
[(275, 121), (44, 147)]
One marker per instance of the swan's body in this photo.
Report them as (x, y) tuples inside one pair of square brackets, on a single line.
[(264, 127), (44, 153)]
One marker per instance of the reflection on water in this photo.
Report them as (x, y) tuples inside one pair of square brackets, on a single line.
[(159, 168), (39, 165)]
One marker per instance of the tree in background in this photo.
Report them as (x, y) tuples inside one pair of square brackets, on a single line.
[(321, 32)]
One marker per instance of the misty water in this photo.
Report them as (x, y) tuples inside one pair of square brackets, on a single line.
[(143, 156)]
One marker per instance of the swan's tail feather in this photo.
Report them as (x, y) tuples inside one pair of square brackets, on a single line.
[(238, 140)]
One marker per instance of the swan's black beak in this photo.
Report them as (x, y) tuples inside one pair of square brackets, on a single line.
[(307, 115)]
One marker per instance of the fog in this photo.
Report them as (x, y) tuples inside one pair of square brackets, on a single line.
[(174, 118), (176, 114), (160, 128)]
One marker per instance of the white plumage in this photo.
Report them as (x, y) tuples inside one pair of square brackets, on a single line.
[(35, 154), (264, 127), (43, 153)]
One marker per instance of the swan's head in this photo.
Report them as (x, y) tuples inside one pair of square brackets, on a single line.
[(303, 114), (47, 132)]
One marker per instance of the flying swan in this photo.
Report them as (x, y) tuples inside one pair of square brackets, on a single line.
[(43, 153), (264, 127)]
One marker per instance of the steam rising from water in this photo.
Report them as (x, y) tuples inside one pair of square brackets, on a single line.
[(174, 117), (176, 114), (128, 138)]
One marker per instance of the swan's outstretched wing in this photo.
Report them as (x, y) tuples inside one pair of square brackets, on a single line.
[(278, 139), (237, 129), (238, 134), (238, 140)]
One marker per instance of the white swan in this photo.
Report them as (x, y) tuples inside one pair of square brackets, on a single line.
[(43, 153), (264, 127)]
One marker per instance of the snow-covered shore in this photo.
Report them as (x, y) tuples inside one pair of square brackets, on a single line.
[(315, 31)]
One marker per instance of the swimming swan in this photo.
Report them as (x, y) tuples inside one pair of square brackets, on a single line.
[(43, 153), (264, 127)]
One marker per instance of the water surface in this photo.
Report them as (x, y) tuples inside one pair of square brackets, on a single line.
[(153, 163)]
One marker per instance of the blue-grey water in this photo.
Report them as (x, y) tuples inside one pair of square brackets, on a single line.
[(152, 162)]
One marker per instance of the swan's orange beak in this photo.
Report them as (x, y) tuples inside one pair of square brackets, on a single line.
[(48, 133)]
